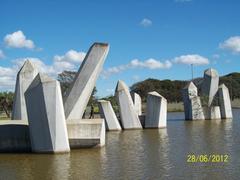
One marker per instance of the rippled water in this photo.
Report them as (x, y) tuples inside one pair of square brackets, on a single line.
[(140, 154)]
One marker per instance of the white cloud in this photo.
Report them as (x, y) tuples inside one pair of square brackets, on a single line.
[(150, 64), (232, 44), (1, 54), (71, 56), (146, 22), (191, 59), (137, 64), (18, 40)]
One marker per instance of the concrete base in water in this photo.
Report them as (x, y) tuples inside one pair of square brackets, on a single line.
[(86, 133), (14, 134)]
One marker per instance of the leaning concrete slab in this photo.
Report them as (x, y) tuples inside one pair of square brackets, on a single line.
[(137, 102), (47, 124), (85, 133), (156, 114), (225, 102), (78, 95), (192, 104), (129, 118), (107, 113), (14, 136), (215, 112), (24, 78), (210, 85)]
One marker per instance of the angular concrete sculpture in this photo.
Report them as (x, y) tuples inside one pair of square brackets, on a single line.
[(107, 113), (129, 118), (156, 114), (47, 124), (24, 78), (137, 102), (192, 104), (84, 133), (224, 102), (215, 112), (210, 85), (78, 95)]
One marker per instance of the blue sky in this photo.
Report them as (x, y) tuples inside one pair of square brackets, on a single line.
[(148, 38)]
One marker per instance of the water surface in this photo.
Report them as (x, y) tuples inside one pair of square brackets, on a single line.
[(140, 154)]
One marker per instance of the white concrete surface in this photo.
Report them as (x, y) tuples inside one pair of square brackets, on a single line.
[(107, 113), (156, 114), (224, 102), (76, 99), (215, 112), (210, 85), (129, 118), (47, 124), (24, 78), (137, 102), (192, 103), (86, 133)]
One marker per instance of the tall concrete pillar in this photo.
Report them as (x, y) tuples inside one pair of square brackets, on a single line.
[(192, 103), (107, 113), (129, 118), (137, 102), (77, 97), (47, 124), (224, 102), (25, 77), (156, 114), (210, 85)]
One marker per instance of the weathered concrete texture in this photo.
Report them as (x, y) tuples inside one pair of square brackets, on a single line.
[(215, 112), (210, 85), (24, 78), (14, 136), (224, 102), (212, 112), (192, 104), (137, 102), (129, 118), (47, 124), (80, 91), (107, 113), (156, 114), (86, 133)]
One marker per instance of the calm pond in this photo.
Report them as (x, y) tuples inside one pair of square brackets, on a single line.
[(141, 154)]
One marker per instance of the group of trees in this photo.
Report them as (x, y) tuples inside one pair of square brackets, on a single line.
[(171, 90)]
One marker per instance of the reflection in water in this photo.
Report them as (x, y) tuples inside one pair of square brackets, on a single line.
[(140, 154)]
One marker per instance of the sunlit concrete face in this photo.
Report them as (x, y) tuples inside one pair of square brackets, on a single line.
[(107, 113), (224, 102), (192, 103), (210, 85), (77, 97), (129, 117), (84, 133), (47, 124), (137, 102), (25, 77), (156, 114)]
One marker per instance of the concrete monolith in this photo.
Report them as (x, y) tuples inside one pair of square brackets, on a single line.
[(156, 114), (24, 78), (224, 102), (210, 85), (77, 97), (47, 124), (107, 113), (137, 102), (129, 118), (192, 104)]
